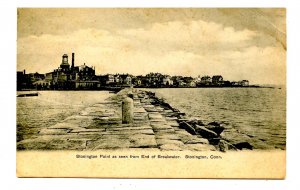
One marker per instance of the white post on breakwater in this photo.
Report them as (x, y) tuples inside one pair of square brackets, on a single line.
[(127, 111)]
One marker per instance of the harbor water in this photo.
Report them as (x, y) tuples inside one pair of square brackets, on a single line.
[(255, 115), (51, 107)]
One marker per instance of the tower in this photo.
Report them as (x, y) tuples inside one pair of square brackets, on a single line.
[(73, 60), (64, 63)]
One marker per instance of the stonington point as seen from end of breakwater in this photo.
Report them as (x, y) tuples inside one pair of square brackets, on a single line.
[(71, 77)]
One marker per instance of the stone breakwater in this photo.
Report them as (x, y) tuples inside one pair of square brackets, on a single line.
[(210, 133), (155, 125)]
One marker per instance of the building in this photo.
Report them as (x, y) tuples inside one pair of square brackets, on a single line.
[(125, 79), (167, 81), (244, 83), (70, 77), (154, 79), (117, 78), (206, 80), (23, 81), (84, 72), (217, 80), (109, 79)]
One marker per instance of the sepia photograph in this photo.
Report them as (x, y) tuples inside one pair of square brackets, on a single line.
[(189, 86)]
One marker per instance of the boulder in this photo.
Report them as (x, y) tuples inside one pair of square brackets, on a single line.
[(214, 141), (217, 129), (204, 132), (215, 123), (187, 127), (243, 145), (196, 122), (225, 146), (166, 105)]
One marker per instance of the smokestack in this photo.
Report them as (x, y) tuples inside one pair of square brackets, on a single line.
[(73, 58)]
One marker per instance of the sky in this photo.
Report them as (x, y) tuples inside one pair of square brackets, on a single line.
[(235, 43)]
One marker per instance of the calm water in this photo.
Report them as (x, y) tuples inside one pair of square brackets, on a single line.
[(256, 114), (50, 107)]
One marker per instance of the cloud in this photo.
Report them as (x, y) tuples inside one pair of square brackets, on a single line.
[(193, 48), (188, 34)]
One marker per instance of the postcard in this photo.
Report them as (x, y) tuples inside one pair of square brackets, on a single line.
[(151, 92)]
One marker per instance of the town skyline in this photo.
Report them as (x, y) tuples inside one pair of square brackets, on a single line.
[(116, 73), (69, 76), (235, 43)]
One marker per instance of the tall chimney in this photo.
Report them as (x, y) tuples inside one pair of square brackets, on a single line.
[(73, 58)]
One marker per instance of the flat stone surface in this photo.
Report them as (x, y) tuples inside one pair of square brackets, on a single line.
[(47, 131), (91, 133), (183, 132), (171, 119), (170, 147), (139, 110), (148, 105), (155, 116), (68, 136), (142, 141), (111, 142), (86, 130), (173, 123), (199, 147), (167, 136), (52, 144), (159, 109), (78, 118), (140, 122), (165, 132), (167, 141), (158, 120), (125, 131), (196, 140), (162, 127), (141, 118), (130, 128), (70, 126), (150, 110)]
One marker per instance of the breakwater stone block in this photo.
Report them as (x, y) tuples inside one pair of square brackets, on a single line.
[(187, 127), (243, 145), (204, 132), (216, 127), (224, 146)]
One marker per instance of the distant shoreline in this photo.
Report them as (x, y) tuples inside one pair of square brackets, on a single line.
[(120, 88)]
